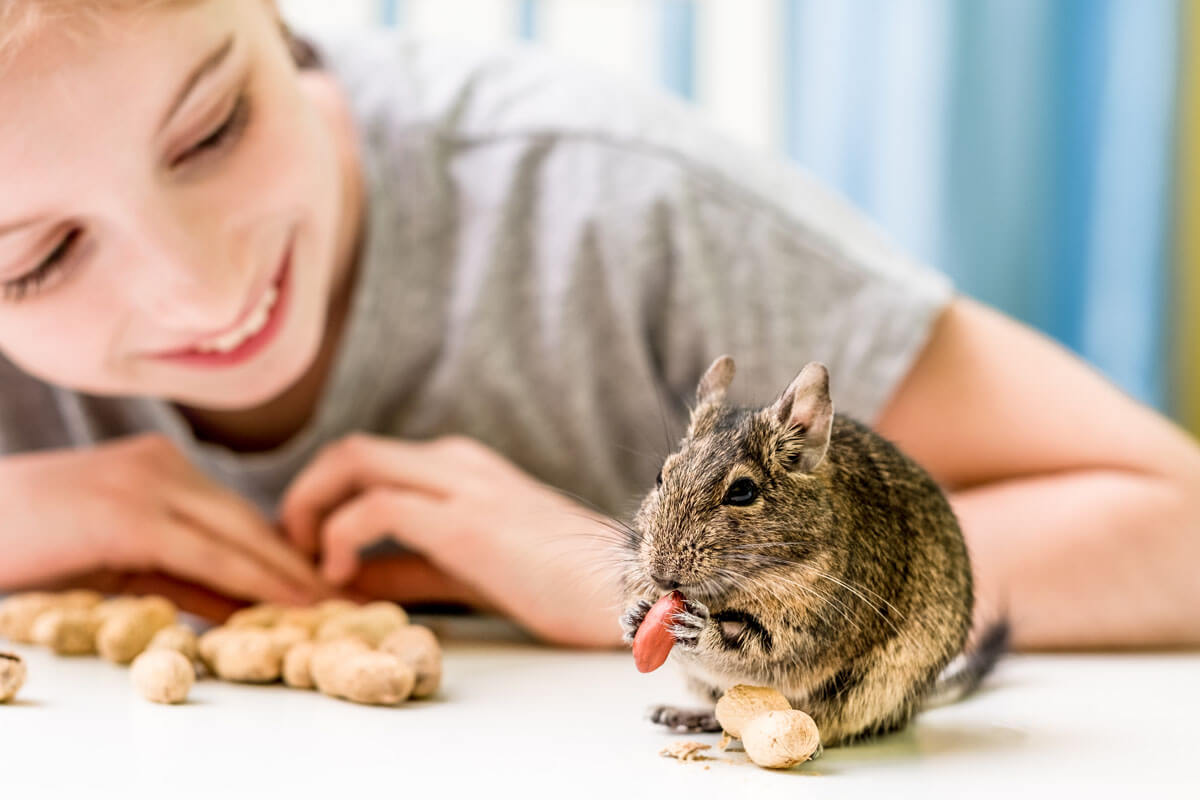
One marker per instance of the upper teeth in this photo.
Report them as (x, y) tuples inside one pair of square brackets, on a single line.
[(254, 323)]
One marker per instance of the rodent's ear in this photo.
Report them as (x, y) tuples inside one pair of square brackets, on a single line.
[(805, 413), (716, 380)]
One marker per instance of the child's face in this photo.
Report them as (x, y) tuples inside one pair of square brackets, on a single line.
[(160, 222)]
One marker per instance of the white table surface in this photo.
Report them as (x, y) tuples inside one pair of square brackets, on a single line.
[(516, 719)]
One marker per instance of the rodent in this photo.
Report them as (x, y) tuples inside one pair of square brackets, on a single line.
[(816, 558)]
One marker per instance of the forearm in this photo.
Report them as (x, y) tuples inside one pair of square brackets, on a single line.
[(1092, 558), (35, 540)]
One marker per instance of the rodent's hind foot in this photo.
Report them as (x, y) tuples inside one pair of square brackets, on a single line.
[(631, 620), (682, 720)]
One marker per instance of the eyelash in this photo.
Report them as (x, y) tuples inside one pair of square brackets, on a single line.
[(30, 282), (228, 131)]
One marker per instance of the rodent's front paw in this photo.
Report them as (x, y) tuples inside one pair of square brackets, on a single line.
[(631, 620), (689, 624)]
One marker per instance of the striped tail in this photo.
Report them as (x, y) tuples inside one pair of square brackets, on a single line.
[(964, 674)]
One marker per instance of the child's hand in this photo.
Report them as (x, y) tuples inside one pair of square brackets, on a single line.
[(493, 531), (137, 504), (187, 596)]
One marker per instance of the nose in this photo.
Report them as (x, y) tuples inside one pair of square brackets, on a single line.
[(180, 302), (664, 583), (186, 281)]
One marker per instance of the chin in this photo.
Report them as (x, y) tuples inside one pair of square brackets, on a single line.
[(261, 383)]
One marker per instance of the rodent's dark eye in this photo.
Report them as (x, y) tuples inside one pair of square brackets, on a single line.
[(743, 492), (658, 480)]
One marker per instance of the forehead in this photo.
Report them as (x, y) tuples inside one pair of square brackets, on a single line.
[(20, 18), (65, 54), (721, 422), (723, 436), (82, 93)]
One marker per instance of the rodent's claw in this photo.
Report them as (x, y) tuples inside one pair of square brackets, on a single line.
[(683, 720), (631, 620), (697, 608), (689, 624)]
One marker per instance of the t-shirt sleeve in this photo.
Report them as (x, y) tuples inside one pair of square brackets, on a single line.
[(29, 416), (777, 271)]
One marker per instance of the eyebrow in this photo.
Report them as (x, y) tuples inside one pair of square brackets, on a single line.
[(205, 67)]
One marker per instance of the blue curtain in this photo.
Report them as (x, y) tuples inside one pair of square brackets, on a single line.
[(1022, 146), (1048, 192), (391, 12)]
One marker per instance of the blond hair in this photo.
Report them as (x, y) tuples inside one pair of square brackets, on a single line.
[(19, 19)]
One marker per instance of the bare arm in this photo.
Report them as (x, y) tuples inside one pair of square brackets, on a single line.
[(1080, 506)]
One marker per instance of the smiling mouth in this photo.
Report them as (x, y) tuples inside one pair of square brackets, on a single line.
[(251, 324), (256, 328)]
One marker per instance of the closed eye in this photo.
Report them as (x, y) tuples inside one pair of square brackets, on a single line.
[(225, 133), (30, 282)]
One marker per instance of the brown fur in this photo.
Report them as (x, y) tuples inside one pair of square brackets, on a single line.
[(845, 584)]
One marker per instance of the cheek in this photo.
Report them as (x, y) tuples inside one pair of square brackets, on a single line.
[(275, 175), (64, 339), (292, 163)]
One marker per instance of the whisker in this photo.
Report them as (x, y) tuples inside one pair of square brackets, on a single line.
[(822, 574), (851, 587), (662, 415), (654, 457), (757, 558), (606, 530), (828, 600), (810, 590)]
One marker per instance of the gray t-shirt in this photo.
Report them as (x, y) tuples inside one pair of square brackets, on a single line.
[(553, 259)]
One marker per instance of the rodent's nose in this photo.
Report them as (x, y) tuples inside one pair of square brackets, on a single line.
[(666, 584)]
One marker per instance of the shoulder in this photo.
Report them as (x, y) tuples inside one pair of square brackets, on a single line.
[(465, 101), (483, 93)]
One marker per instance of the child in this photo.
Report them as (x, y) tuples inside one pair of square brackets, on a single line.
[(259, 314)]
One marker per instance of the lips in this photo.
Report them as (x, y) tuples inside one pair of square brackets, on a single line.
[(251, 324), (254, 330)]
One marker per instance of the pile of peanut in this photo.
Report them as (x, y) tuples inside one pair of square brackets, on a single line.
[(364, 653), (773, 733)]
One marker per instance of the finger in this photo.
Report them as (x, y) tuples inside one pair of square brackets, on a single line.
[(366, 519), (348, 467), (413, 579), (105, 581), (355, 595), (190, 597), (228, 516), (187, 552)]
